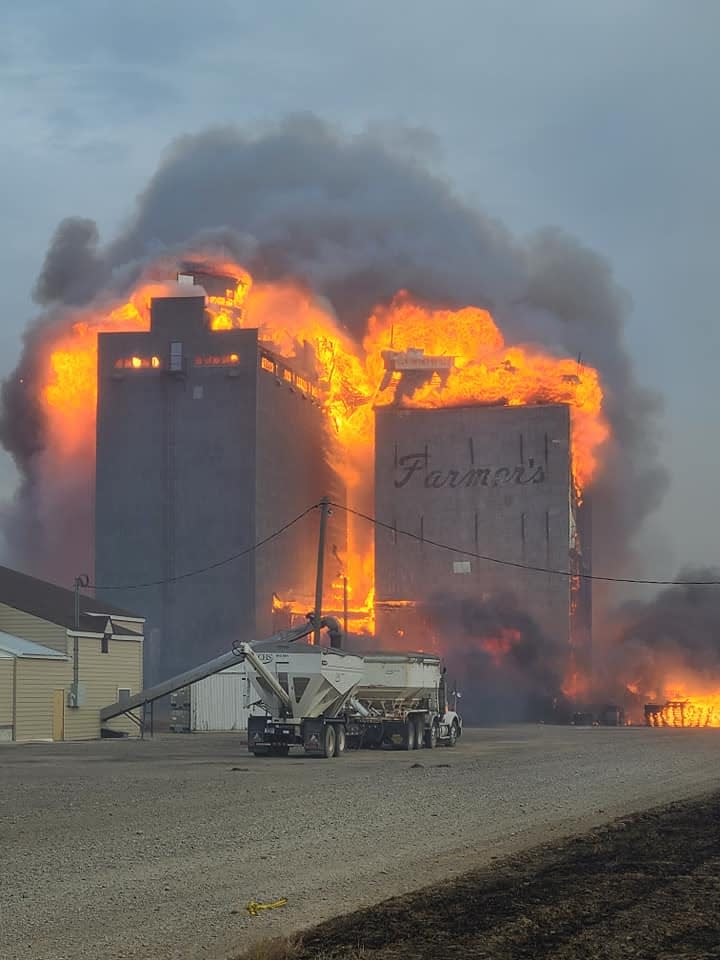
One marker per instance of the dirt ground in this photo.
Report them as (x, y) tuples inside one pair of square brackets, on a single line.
[(647, 886), (152, 850)]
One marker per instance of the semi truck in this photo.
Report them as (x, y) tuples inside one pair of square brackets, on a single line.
[(322, 697), (327, 700)]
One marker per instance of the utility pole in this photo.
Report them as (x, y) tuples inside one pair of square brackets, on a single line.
[(345, 607), (324, 513)]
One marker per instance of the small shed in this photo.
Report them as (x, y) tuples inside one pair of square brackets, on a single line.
[(59, 665), (220, 702), (33, 683)]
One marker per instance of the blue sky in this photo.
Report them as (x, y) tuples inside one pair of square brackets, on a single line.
[(602, 119)]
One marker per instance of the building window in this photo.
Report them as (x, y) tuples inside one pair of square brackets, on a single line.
[(218, 360), (461, 566), (123, 694), (137, 363), (176, 356), (105, 643)]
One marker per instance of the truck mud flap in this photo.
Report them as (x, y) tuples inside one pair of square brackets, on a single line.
[(266, 732), (312, 736), (256, 734)]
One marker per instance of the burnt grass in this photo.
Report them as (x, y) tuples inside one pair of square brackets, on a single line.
[(647, 886)]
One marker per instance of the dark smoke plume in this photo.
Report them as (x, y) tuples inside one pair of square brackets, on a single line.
[(73, 271), (357, 219), (675, 637), (523, 677)]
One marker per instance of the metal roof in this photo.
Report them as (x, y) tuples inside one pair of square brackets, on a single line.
[(48, 601), (17, 647)]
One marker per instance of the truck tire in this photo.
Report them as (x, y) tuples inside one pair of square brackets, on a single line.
[(453, 734), (431, 736), (409, 735), (419, 733), (339, 740), (328, 741), (281, 750), (261, 751)]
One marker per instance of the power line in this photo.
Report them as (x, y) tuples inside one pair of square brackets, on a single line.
[(412, 536), (218, 563), (523, 566)]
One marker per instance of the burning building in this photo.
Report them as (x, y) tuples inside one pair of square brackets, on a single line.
[(216, 421), (492, 481), (207, 442), (217, 407)]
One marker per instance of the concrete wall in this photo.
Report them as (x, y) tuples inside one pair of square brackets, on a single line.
[(35, 683), (489, 480), (176, 484), (196, 467), (27, 627), (102, 674), (292, 474)]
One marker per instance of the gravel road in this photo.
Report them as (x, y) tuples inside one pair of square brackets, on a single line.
[(122, 849)]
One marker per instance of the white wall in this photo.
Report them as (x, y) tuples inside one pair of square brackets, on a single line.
[(219, 702)]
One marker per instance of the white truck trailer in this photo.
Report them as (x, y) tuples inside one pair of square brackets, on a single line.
[(402, 701), (325, 699)]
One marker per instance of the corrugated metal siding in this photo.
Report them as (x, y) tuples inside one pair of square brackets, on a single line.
[(6, 691), (35, 683), (217, 702), (24, 625), (102, 674)]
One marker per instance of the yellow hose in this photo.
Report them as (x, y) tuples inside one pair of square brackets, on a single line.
[(254, 908)]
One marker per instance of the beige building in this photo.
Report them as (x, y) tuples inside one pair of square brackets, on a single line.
[(56, 675)]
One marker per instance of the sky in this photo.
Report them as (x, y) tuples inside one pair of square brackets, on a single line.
[(602, 119)]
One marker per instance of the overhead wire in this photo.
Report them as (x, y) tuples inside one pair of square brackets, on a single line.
[(216, 564), (517, 564)]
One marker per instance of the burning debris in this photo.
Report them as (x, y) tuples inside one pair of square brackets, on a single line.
[(664, 661), (684, 713)]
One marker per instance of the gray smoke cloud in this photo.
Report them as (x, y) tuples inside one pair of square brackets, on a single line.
[(518, 680), (74, 270), (674, 637), (357, 218)]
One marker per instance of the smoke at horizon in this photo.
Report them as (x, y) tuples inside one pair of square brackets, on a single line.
[(665, 647)]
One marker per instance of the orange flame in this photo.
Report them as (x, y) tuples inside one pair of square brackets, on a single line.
[(687, 712), (484, 370), (686, 700), (499, 646)]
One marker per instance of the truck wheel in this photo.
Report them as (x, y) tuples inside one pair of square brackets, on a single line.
[(419, 732), (431, 736), (409, 735), (328, 741), (453, 734), (261, 751), (281, 750), (339, 741)]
